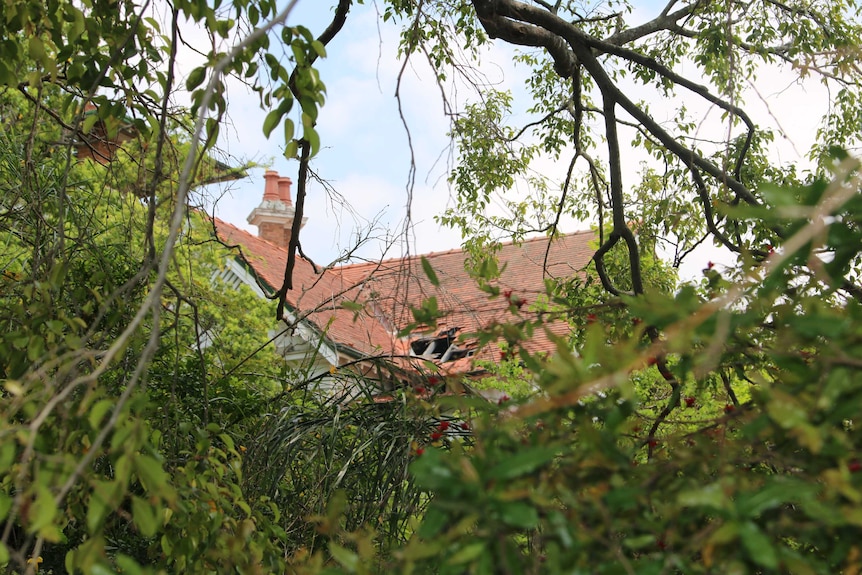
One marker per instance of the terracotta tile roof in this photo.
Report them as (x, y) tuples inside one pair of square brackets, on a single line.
[(388, 288)]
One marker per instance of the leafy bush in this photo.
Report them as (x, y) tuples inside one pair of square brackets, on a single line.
[(730, 444), (751, 464)]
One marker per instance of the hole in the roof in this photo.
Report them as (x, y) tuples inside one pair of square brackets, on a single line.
[(441, 347)]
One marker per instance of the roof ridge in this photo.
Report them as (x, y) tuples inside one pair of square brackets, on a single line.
[(396, 259), (460, 250)]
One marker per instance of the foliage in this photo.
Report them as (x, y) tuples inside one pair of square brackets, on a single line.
[(104, 464), (761, 476), (304, 455), (700, 428)]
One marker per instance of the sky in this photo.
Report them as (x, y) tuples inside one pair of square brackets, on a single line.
[(365, 155), (364, 152)]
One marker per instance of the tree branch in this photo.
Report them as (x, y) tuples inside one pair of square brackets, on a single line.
[(335, 26)]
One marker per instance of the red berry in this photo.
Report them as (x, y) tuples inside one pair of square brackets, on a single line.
[(436, 435), (690, 401), (420, 390), (444, 425), (433, 380), (729, 408), (652, 442), (651, 361), (710, 265), (592, 318), (503, 399), (507, 294), (419, 451), (503, 355), (855, 466), (662, 544), (519, 302), (465, 426)]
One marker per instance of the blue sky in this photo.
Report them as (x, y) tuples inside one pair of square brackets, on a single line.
[(365, 156), (364, 147)]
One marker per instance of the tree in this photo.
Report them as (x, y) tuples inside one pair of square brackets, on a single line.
[(700, 484), (588, 63), (95, 455)]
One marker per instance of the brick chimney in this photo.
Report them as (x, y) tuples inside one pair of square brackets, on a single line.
[(274, 216)]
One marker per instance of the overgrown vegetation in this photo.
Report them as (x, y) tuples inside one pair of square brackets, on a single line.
[(708, 427)]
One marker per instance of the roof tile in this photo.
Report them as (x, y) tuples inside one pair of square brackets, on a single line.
[(387, 290)]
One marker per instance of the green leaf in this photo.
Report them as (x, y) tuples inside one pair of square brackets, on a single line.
[(417, 549), (7, 455), (37, 49), (153, 477), (42, 511), (435, 519), (427, 313), (128, 565), (319, 48), (298, 53), (795, 563), (639, 541), (35, 348), (100, 504), (310, 111), (758, 545), (523, 462), (291, 149), (430, 471), (271, 121), (145, 516), (212, 130), (467, 553), (519, 514), (98, 411), (228, 441), (348, 559), (313, 138), (101, 569), (828, 326), (711, 495), (5, 505), (429, 271), (196, 78), (289, 129), (167, 545), (725, 534), (778, 491)]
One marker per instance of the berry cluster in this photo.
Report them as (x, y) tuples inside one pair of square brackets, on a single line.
[(441, 428), (514, 300)]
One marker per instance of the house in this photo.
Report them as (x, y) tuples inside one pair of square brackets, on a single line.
[(95, 141), (353, 314), (99, 140), (357, 313)]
